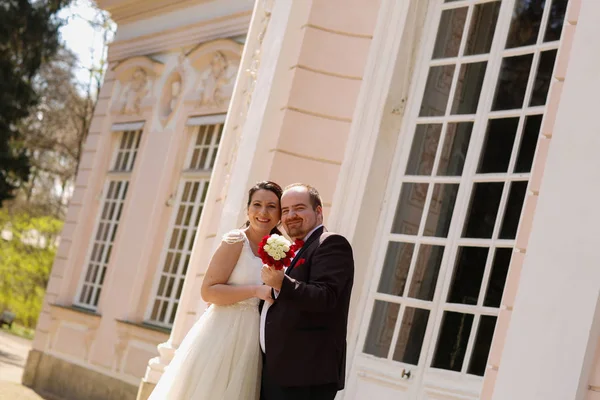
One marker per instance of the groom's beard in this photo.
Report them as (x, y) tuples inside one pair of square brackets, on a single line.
[(297, 231)]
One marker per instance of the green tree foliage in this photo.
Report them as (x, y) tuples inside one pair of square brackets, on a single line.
[(53, 134), (28, 37), (27, 248)]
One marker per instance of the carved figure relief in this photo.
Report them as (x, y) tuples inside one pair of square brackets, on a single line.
[(172, 92), (216, 82), (134, 92)]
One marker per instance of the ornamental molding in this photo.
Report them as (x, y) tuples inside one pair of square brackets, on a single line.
[(216, 65), (202, 80), (125, 11), (136, 77)]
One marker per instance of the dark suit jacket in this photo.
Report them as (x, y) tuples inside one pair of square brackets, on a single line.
[(305, 331)]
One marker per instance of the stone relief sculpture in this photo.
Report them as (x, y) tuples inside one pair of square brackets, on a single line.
[(134, 92), (216, 82), (172, 92), (174, 95)]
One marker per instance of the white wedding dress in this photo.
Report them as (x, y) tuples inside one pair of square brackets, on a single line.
[(220, 359)]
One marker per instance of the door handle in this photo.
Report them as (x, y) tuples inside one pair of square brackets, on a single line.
[(405, 374)]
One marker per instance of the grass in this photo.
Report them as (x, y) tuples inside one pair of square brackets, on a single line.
[(19, 330)]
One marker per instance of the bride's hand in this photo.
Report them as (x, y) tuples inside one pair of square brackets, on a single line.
[(263, 292)]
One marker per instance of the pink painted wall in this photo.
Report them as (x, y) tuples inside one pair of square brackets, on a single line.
[(325, 75)]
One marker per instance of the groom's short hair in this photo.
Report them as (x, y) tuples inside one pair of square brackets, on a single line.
[(313, 194)]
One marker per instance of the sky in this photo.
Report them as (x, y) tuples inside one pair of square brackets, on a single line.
[(81, 37)]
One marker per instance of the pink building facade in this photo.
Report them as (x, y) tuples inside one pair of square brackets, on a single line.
[(454, 143)]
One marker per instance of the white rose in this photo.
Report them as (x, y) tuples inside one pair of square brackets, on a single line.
[(276, 257)]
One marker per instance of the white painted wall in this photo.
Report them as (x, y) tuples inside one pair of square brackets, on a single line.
[(555, 324)]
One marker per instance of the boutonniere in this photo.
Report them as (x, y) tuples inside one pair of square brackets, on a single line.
[(300, 262)]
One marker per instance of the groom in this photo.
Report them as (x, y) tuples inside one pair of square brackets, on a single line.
[(303, 333)]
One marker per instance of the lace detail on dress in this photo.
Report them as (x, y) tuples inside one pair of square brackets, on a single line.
[(246, 305), (234, 236)]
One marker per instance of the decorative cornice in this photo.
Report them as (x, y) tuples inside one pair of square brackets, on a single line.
[(181, 37), (125, 11), (147, 63)]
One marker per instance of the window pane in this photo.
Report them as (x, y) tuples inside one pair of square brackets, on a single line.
[(468, 88), (512, 82), (556, 20), (543, 78), (155, 309), (498, 145), (173, 314), (483, 26), (510, 222), (450, 32), (525, 24), (495, 289), (412, 332), (468, 275), (381, 328), (441, 210), (395, 268), (410, 208), (437, 91), (204, 192), (452, 341), (423, 149), (455, 148), (186, 191), (481, 218), (483, 343), (425, 276), (529, 142)]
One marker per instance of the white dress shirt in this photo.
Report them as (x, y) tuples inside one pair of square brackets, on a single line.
[(265, 309)]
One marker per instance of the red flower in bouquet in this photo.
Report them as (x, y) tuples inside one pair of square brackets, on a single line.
[(276, 251)]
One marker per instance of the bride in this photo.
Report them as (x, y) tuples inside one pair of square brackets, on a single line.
[(220, 358)]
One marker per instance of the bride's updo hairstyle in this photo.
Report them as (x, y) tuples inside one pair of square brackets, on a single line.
[(271, 187)]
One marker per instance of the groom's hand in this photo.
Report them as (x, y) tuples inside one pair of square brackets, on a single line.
[(272, 277), (263, 292)]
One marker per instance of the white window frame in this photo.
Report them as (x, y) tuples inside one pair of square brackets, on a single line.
[(386, 369), (186, 175), (112, 175)]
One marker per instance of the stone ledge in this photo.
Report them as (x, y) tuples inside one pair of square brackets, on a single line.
[(64, 380), (145, 325), (77, 309), (145, 390)]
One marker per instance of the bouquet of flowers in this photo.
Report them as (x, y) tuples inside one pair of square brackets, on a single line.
[(277, 252)]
